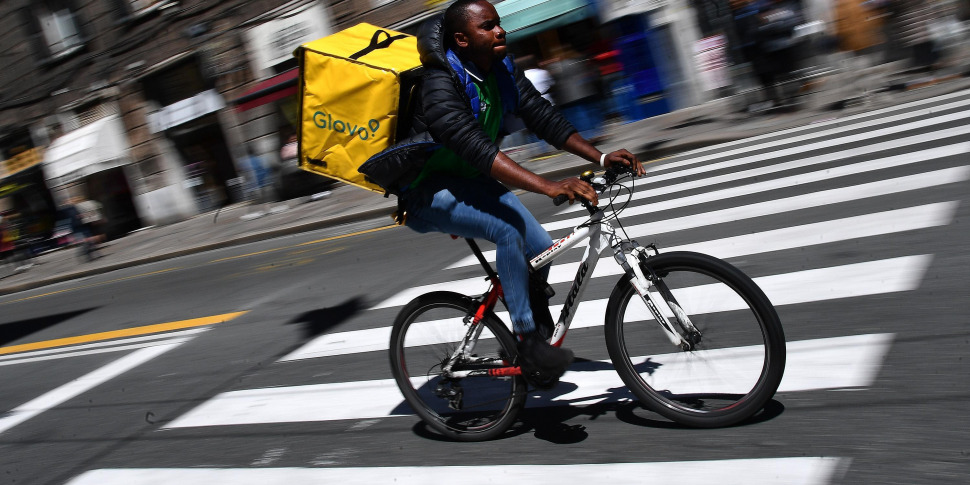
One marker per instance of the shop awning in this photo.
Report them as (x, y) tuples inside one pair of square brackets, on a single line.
[(522, 18), (90, 149), (273, 89)]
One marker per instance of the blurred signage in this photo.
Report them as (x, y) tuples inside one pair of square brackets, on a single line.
[(614, 9), (20, 161), (273, 42), (186, 110), (712, 61)]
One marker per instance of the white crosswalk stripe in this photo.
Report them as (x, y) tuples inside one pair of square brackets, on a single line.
[(828, 140), (851, 361), (836, 156), (764, 471), (830, 363), (781, 183)]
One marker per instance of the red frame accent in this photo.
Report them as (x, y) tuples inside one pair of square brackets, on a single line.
[(505, 372), (490, 299)]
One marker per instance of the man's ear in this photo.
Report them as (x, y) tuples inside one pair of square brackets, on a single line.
[(461, 40)]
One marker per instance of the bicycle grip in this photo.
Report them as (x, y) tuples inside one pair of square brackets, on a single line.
[(560, 199)]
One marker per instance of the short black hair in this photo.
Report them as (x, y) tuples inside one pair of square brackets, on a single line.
[(456, 18)]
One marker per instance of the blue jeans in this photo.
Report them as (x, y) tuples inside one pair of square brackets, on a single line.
[(482, 208)]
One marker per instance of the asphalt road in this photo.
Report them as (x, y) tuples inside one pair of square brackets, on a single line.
[(857, 233)]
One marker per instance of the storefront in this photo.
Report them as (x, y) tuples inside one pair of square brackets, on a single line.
[(26, 205), (189, 119), (90, 163)]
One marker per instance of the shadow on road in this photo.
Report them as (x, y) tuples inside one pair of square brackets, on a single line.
[(13, 331), (316, 322)]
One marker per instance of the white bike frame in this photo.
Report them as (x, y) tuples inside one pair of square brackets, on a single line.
[(602, 236)]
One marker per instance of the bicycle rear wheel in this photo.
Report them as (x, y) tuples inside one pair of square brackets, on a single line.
[(425, 335), (733, 369)]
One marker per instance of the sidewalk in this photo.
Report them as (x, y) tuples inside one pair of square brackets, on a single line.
[(714, 122)]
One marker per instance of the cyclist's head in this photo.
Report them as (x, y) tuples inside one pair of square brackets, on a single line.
[(473, 30)]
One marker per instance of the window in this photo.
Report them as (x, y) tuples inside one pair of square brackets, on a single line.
[(60, 30), (55, 28)]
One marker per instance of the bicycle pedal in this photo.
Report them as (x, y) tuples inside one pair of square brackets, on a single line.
[(540, 381)]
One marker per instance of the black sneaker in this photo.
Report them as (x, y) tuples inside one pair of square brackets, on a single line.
[(542, 364)]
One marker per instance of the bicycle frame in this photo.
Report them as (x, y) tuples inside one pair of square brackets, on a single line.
[(601, 236)]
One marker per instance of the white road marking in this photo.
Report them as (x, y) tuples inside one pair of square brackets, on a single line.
[(80, 385), (105, 350), (829, 139), (828, 363), (909, 110), (898, 160), (71, 349), (762, 471)]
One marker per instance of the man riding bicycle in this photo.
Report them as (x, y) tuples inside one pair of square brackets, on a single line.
[(470, 86)]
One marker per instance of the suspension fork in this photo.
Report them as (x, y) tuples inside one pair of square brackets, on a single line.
[(642, 281)]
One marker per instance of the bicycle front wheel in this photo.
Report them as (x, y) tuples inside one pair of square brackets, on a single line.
[(737, 359), (425, 336)]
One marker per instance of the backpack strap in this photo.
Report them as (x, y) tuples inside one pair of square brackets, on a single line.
[(376, 44)]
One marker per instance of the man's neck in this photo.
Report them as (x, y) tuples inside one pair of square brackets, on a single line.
[(484, 66)]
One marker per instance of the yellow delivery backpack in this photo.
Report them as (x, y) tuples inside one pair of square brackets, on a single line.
[(355, 86)]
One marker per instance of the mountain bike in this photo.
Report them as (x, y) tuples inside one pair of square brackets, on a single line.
[(692, 337)]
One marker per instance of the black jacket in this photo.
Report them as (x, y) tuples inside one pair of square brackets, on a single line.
[(443, 116)]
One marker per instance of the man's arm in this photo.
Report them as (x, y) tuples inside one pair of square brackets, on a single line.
[(505, 170), (579, 146)]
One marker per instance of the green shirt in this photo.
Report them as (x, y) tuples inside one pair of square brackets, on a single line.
[(446, 161)]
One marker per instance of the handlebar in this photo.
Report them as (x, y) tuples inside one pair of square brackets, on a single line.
[(610, 176)]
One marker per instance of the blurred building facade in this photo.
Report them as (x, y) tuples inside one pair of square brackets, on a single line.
[(131, 102)]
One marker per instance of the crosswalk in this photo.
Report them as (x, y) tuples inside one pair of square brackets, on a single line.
[(823, 213)]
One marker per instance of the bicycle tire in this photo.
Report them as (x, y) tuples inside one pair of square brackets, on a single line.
[(425, 333), (730, 374)]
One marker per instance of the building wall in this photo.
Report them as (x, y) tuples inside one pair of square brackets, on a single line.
[(121, 48)]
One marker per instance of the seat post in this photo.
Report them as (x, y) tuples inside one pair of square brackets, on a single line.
[(481, 258)]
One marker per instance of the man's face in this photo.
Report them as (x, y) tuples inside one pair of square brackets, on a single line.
[(483, 39)]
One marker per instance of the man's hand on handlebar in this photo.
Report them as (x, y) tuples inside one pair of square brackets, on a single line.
[(626, 159), (573, 188)]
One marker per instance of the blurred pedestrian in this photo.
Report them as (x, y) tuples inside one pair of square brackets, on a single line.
[(858, 30), (87, 222), (12, 249), (766, 33), (776, 37), (910, 27), (612, 80), (575, 91), (260, 175), (747, 22)]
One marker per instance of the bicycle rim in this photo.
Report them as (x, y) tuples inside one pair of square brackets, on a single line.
[(729, 374), (425, 335)]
